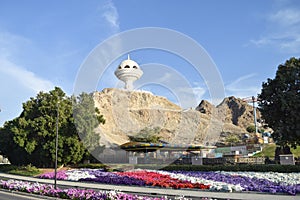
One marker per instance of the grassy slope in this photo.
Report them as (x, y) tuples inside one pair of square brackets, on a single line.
[(269, 150), (22, 170)]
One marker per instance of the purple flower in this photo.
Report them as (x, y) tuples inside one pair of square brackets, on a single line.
[(250, 184), (60, 175), (71, 193)]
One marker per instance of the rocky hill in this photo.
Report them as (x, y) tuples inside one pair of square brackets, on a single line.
[(128, 112), (231, 110)]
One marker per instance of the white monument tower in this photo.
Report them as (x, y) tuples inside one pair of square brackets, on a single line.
[(128, 72)]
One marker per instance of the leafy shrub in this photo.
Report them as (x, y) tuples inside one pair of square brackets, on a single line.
[(27, 170), (7, 167), (233, 139), (251, 129), (149, 135), (91, 166)]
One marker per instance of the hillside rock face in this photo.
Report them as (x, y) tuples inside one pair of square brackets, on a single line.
[(232, 111), (128, 112)]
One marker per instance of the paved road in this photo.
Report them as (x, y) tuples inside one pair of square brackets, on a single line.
[(7, 195), (195, 194)]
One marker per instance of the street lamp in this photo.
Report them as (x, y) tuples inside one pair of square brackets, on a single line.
[(254, 113), (253, 100), (56, 144)]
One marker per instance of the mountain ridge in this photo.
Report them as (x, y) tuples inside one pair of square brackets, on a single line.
[(128, 112)]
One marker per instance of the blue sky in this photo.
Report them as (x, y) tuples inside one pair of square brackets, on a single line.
[(44, 43)]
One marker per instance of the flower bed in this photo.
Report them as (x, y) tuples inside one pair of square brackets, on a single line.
[(72, 193), (154, 178), (288, 183), (252, 181)]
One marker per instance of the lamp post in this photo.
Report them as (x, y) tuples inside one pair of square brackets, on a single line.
[(56, 145), (253, 100), (254, 113)]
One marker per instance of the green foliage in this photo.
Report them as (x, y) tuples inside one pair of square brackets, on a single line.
[(296, 152), (280, 103), (86, 119), (149, 135), (5, 168), (233, 139), (251, 129), (261, 130), (30, 138), (91, 166), (267, 151), (28, 170)]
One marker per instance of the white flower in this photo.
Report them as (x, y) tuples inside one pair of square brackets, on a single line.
[(283, 178), (75, 175), (214, 185)]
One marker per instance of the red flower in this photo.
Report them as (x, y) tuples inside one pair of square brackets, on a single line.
[(156, 179)]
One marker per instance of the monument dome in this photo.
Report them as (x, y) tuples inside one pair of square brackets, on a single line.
[(128, 71)]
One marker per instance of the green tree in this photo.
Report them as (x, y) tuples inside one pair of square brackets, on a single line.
[(280, 103), (30, 138), (86, 119), (149, 135), (251, 128), (15, 153), (232, 139)]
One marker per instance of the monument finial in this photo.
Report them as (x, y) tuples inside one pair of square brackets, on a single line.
[(128, 71)]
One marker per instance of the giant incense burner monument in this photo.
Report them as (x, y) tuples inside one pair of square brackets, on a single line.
[(128, 72), (128, 112)]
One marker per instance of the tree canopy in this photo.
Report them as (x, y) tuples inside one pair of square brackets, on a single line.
[(30, 138), (280, 103), (86, 119), (148, 135)]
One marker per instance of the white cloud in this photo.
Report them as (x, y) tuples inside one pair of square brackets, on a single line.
[(199, 93), (99, 57), (111, 15), (190, 97), (18, 84), (261, 42), (243, 86), (24, 77), (165, 81), (11, 44), (288, 41), (240, 79), (285, 17), (283, 31)]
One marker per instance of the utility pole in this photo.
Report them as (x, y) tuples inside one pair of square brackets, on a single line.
[(56, 145), (254, 113), (253, 100)]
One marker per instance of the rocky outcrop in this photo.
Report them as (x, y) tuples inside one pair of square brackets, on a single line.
[(205, 107), (128, 112), (232, 111)]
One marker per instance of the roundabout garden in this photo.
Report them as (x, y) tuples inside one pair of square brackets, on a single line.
[(180, 183), (271, 182)]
